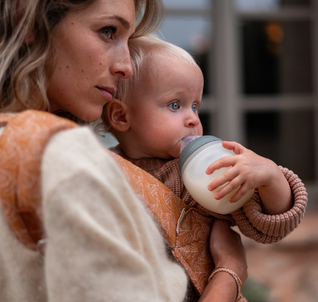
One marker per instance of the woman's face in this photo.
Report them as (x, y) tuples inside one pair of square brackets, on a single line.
[(90, 55)]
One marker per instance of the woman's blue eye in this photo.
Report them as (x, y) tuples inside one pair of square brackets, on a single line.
[(109, 31), (174, 105), (194, 107)]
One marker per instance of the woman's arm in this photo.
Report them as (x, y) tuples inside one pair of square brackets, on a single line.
[(221, 288), (227, 251)]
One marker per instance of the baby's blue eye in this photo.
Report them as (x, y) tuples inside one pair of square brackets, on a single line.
[(194, 107), (174, 106)]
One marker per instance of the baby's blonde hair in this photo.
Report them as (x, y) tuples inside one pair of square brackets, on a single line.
[(142, 51)]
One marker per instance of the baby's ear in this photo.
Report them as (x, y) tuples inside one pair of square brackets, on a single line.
[(117, 115)]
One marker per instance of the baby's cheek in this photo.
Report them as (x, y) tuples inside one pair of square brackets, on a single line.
[(199, 129)]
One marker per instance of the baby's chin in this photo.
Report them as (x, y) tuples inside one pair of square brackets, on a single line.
[(167, 157), (177, 156), (168, 154), (173, 155)]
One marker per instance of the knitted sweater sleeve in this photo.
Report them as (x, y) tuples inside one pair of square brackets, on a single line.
[(272, 228)]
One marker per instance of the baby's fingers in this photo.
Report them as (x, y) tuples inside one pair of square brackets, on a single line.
[(239, 193), (228, 188), (223, 162), (234, 146), (224, 179)]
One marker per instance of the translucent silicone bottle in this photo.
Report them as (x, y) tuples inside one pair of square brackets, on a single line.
[(197, 153)]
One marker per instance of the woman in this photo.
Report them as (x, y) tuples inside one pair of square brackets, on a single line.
[(103, 245)]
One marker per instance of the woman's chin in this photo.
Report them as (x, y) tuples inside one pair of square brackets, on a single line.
[(78, 118), (89, 116)]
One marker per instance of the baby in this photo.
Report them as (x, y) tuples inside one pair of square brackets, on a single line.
[(155, 109), (158, 107)]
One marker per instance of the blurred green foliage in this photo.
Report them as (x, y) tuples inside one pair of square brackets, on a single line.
[(254, 291)]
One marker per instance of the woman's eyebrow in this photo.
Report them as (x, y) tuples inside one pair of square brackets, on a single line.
[(123, 21)]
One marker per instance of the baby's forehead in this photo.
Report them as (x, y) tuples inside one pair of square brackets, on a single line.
[(157, 60), (159, 68)]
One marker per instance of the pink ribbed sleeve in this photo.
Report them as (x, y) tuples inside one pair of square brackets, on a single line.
[(272, 228)]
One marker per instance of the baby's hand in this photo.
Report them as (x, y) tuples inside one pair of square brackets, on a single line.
[(247, 171)]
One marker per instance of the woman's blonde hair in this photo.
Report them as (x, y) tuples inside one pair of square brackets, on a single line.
[(25, 45)]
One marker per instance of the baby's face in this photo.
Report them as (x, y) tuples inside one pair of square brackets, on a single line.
[(164, 109)]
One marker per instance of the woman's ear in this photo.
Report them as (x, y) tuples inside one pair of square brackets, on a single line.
[(117, 115)]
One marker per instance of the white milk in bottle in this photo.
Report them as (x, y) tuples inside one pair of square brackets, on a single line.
[(197, 153)]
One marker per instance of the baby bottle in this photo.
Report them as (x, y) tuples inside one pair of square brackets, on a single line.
[(197, 153)]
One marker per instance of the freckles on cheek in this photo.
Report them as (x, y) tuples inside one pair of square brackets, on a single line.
[(63, 71)]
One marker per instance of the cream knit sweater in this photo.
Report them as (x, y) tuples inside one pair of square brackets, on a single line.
[(103, 244)]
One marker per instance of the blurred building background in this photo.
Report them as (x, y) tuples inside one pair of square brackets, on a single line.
[(260, 62)]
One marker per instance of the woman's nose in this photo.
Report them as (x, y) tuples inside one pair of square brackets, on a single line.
[(122, 66)]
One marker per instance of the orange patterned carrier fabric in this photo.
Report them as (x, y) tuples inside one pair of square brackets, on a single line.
[(22, 144), (186, 229), (21, 147)]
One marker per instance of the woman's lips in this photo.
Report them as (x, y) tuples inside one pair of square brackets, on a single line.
[(107, 92)]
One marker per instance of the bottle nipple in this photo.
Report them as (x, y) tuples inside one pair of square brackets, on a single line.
[(186, 140)]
